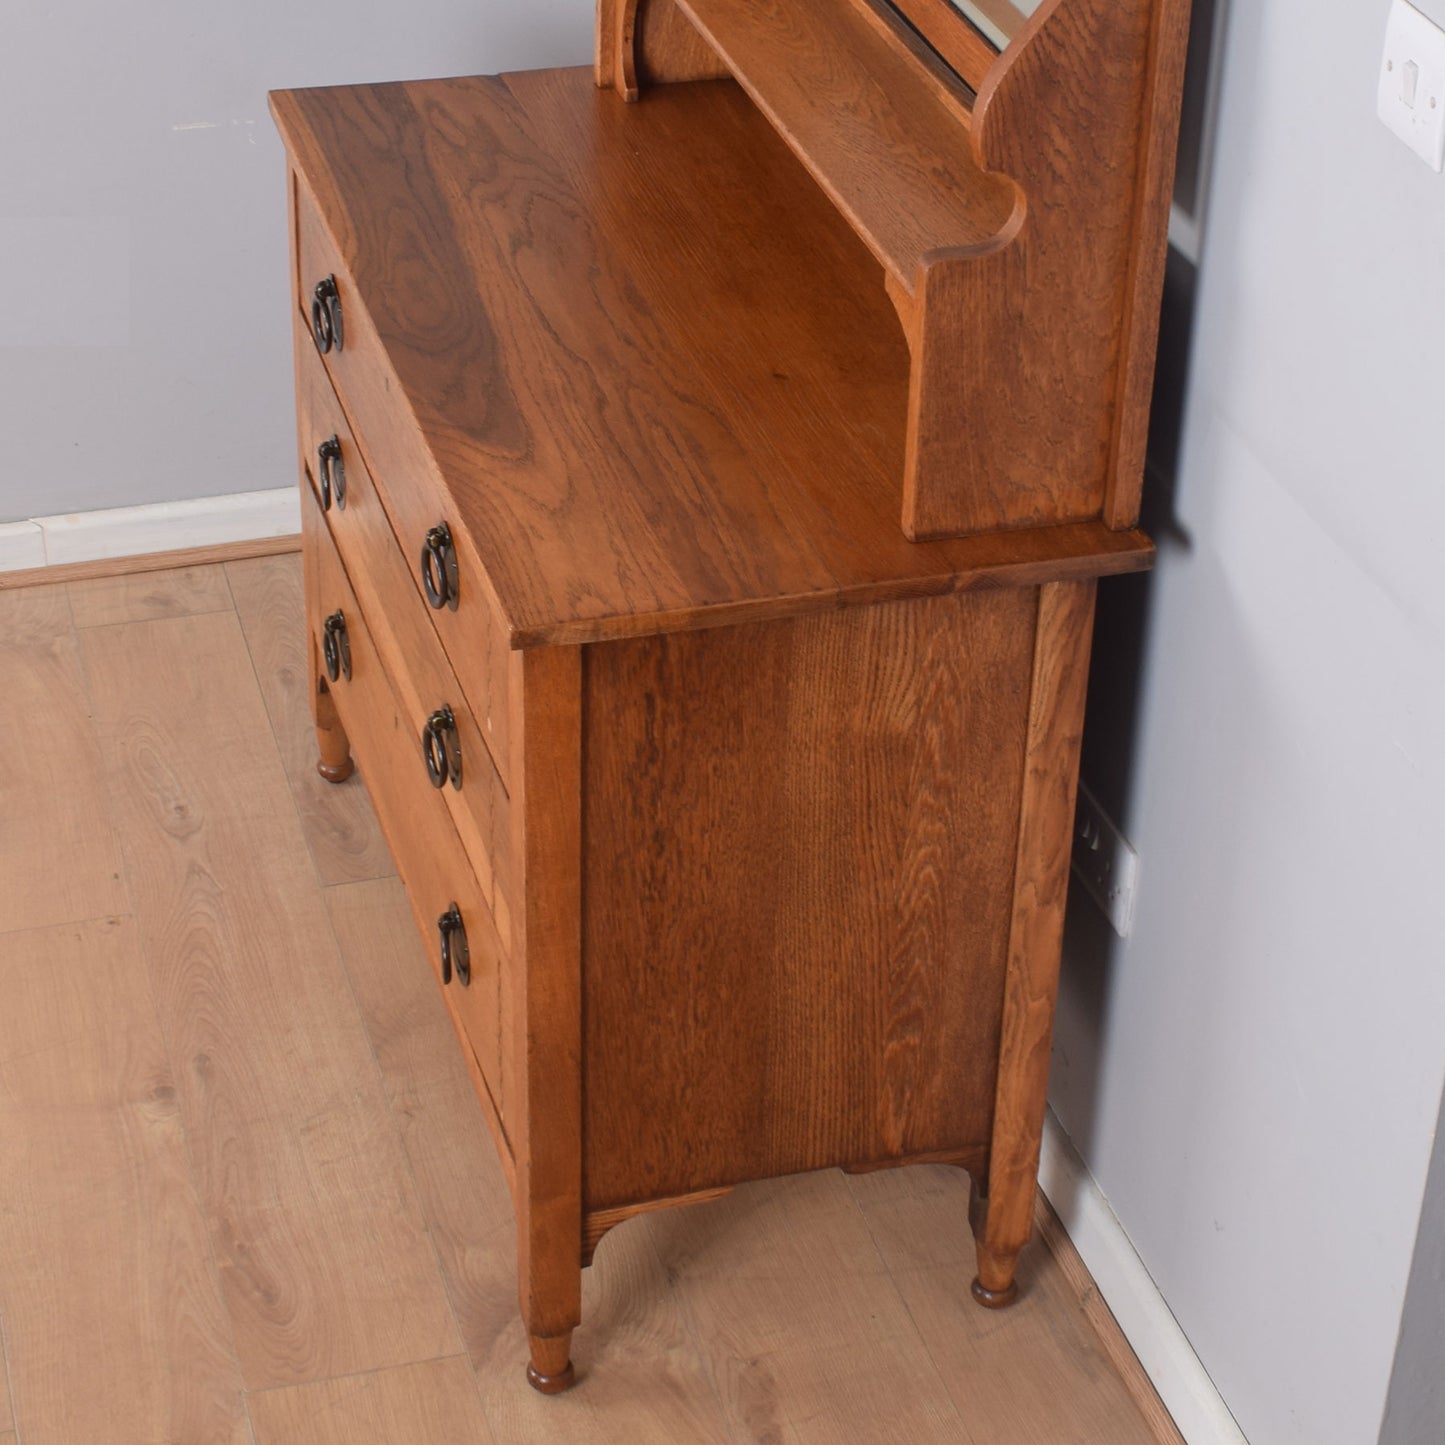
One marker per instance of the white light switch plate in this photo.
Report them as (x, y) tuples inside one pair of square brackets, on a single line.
[(1412, 82)]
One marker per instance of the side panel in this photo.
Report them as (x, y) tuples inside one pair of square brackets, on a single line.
[(799, 844)]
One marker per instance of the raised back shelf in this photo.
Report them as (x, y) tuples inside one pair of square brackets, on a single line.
[(879, 127), (1021, 224)]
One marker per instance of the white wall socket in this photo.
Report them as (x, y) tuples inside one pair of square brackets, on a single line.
[(1105, 863), (1412, 82)]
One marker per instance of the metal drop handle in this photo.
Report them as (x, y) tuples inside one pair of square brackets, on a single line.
[(439, 577), (456, 956), (326, 328), (441, 748), (332, 472), (336, 646)]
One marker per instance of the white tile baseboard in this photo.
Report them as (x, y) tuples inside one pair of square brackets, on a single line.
[(1127, 1288), (22, 544), (154, 527)]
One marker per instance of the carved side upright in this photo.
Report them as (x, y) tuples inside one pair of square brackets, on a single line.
[(1017, 346), (649, 42)]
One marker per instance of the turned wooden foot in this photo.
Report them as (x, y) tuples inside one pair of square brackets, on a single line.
[(336, 772), (995, 1288), (335, 764), (550, 1368)]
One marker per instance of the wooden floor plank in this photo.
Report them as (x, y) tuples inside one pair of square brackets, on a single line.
[(432, 1403), (325, 1264), (59, 862), (800, 1321), (7, 1418), (1117, 1350), (642, 1378), (341, 828), (113, 1321), (144, 596), (1033, 1374)]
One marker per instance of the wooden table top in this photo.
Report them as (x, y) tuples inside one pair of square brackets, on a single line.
[(657, 368)]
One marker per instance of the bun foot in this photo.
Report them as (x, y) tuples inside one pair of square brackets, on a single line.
[(551, 1384), (995, 1299), (550, 1368), (336, 772)]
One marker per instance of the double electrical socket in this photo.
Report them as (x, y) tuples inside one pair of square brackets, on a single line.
[(1104, 862), (1412, 82)]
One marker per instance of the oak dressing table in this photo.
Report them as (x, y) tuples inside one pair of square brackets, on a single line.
[(704, 502)]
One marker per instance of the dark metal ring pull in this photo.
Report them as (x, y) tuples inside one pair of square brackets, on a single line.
[(336, 646), (441, 748), (439, 578), (456, 957), (326, 315), (333, 473)]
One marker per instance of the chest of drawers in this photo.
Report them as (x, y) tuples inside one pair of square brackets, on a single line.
[(736, 822)]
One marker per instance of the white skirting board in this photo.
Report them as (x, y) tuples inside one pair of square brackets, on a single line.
[(154, 527), (1127, 1288)]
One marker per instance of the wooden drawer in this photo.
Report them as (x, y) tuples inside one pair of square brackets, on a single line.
[(428, 853), (411, 489), (419, 669)]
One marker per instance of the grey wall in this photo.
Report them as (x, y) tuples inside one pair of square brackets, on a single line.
[(1254, 1078), (1415, 1407), (144, 335)]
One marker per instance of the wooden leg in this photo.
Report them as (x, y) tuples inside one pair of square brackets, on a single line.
[(547, 932), (995, 1287), (1041, 880), (550, 1367), (335, 764)]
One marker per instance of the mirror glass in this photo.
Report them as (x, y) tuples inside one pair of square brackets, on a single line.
[(1000, 20)]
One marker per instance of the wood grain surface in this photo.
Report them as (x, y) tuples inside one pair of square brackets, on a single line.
[(434, 1401), (647, 42), (692, 1317), (1017, 352), (303, 1183), (427, 848), (749, 1257), (889, 148), (1040, 890), (66, 572), (142, 596), (1076, 1287), (113, 1318), (519, 318), (794, 950), (57, 865), (384, 563), (340, 827), (1039, 1364), (546, 1029), (463, 1194), (420, 672), (962, 45), (1144, 289), (646, 1380)]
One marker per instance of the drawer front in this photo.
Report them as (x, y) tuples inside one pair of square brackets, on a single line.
[(408, 482), (428, 853), (420, 672)]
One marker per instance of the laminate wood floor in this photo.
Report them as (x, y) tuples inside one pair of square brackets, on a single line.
[(246, 1192)]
